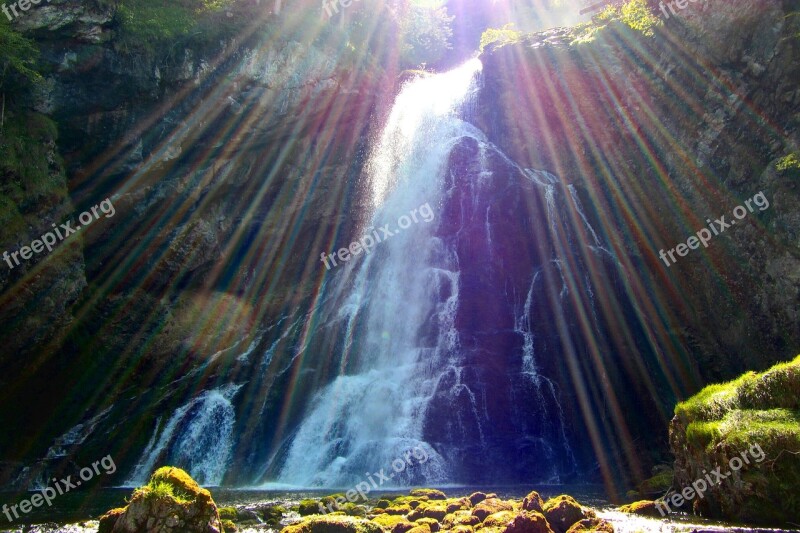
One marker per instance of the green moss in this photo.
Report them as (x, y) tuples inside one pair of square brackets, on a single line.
[(334, 524), (169, 482), (308, 507), (500, 36), (228, 513), (790, 163), (637, 15), (228, 526)]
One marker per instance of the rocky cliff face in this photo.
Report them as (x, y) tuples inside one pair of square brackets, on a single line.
[(247, 136), (233, 132), (671, 130)]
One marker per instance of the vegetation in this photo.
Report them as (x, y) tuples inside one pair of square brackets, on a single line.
[(500, 36), (17, 55), (789, 164)]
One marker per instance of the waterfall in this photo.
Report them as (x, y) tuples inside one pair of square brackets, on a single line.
[(450, 333), (197, 437), (374, 415)]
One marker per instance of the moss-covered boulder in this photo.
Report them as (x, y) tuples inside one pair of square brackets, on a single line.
[(564, 511), (308, 507), (333, 524), (500, 519), (528, 522), (490, 506), (476, 497), (420, 528), (171, 502), (432, 523), (460, 518), (431, 494), (749, 429), (533, 502), (641, 508), (393, 523), (592, 524)]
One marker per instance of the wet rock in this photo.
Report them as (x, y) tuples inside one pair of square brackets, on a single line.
[(533, 502), (592, 524)]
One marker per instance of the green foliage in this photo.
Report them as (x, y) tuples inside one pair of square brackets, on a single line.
[(162, 490), (790, 163), (637, 15), (17, 54), (763, 408), (500, 36), (26, 160), (425, 35), (147, 24)]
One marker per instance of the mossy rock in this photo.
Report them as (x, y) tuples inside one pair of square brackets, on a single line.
[(170, 500), (229, 527), (592, 524), (564, 511), (383, 504), (351, 509), (308, 507), (642, 508), (437, 512), (460, 518), (228, 513), (393, 523), (431, 494), (457, 504), (500, 519), (490, 506), (528, 522), (333, 524), (533, 502), (754, 421), (462, 529), (109, 520), (421, 528), (476, 497), (403, 509), (660, 483), (433, 524)]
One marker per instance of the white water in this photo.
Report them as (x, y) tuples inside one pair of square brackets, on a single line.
[(198, 437), (363, 421)]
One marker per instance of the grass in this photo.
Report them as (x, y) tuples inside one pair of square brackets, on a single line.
[(762, 408)]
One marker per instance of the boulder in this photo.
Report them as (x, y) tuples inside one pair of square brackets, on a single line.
[(642, 508), (747, 430), (460, 518), (592, 524), (490, 506), (501, 519), (393, 523), (564, 511), (171, 502), (528, 522), (533, 502), (476, 497), (431, 494), (333, 524)]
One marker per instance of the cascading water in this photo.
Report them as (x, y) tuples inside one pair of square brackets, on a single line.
[(198, 437), (375, 414)]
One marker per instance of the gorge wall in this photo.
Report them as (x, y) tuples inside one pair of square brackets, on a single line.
[(249, 135)]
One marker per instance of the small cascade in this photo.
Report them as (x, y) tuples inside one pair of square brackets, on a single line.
[(197, 437)]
